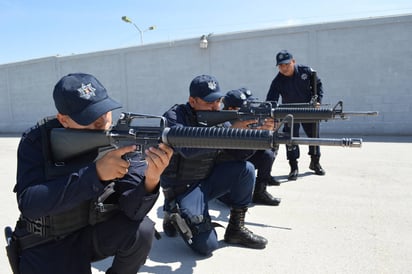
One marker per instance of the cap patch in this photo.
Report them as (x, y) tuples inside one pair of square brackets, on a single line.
[(86, 91), (212, 85)]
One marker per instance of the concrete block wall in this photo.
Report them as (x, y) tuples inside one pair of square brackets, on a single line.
[(365, 63)]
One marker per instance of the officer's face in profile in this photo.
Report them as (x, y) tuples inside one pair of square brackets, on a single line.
[(199, 104), (104, 122), (287, 69)]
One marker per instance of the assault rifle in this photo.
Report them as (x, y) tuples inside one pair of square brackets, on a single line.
[(148, 130), (254, 110)]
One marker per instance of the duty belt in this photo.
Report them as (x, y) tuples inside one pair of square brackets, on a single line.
[(36, 236), (39, 226)]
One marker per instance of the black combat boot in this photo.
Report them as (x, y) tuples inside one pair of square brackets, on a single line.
[(262, 197), (168, 227), (237, 233), (294, 171), (315, 166)]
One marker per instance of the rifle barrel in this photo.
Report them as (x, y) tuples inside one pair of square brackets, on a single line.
[(343, 142), (317, 114), (360, 113)]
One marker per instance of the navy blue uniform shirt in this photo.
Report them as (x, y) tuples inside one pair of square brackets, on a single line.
[(296, 88), (184, 115), (38, 196)]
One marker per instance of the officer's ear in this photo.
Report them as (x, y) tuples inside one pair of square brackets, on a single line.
[(63, 119), (192, 101)]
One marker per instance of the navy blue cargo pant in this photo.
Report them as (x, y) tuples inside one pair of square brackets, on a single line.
[(128, 241), (236, 177), (263, 162), (292, 151)]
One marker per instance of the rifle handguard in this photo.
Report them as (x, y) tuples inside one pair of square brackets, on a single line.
[(235, 138)]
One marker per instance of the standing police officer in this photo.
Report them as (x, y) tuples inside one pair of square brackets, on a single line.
[(294, 84), (66, 220), (196, 176)]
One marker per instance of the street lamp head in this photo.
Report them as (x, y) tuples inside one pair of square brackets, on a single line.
[(203, 42), (126, 19)]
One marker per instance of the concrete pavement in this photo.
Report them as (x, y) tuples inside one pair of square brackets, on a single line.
[(355, 219)]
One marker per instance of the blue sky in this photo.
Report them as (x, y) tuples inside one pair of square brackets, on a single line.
[(35, 29)]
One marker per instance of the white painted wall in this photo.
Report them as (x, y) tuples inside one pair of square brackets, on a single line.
[(365, 63)]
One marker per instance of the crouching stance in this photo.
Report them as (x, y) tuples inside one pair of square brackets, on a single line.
[(196, 176), (83, 210)]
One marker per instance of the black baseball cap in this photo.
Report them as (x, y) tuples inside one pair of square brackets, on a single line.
[(83, 98), (283, 57), (249, 94), (205, 87), (235, 98)]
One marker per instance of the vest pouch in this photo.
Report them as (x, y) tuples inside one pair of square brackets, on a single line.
[(70, 220), (196, 168)]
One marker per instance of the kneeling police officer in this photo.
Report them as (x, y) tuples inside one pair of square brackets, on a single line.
[(83, 210), (196, 176)]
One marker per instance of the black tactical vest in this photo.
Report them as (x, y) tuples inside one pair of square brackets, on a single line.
[(87, 213), (195, 168)]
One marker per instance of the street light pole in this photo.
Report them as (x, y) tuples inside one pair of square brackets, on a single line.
[(128, 20)]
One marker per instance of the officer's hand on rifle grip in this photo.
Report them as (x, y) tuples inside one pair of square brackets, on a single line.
[(268, 124), (112, 165), (243, 123), (158, 159)]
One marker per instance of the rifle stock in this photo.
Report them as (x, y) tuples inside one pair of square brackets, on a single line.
[(69, 143)]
